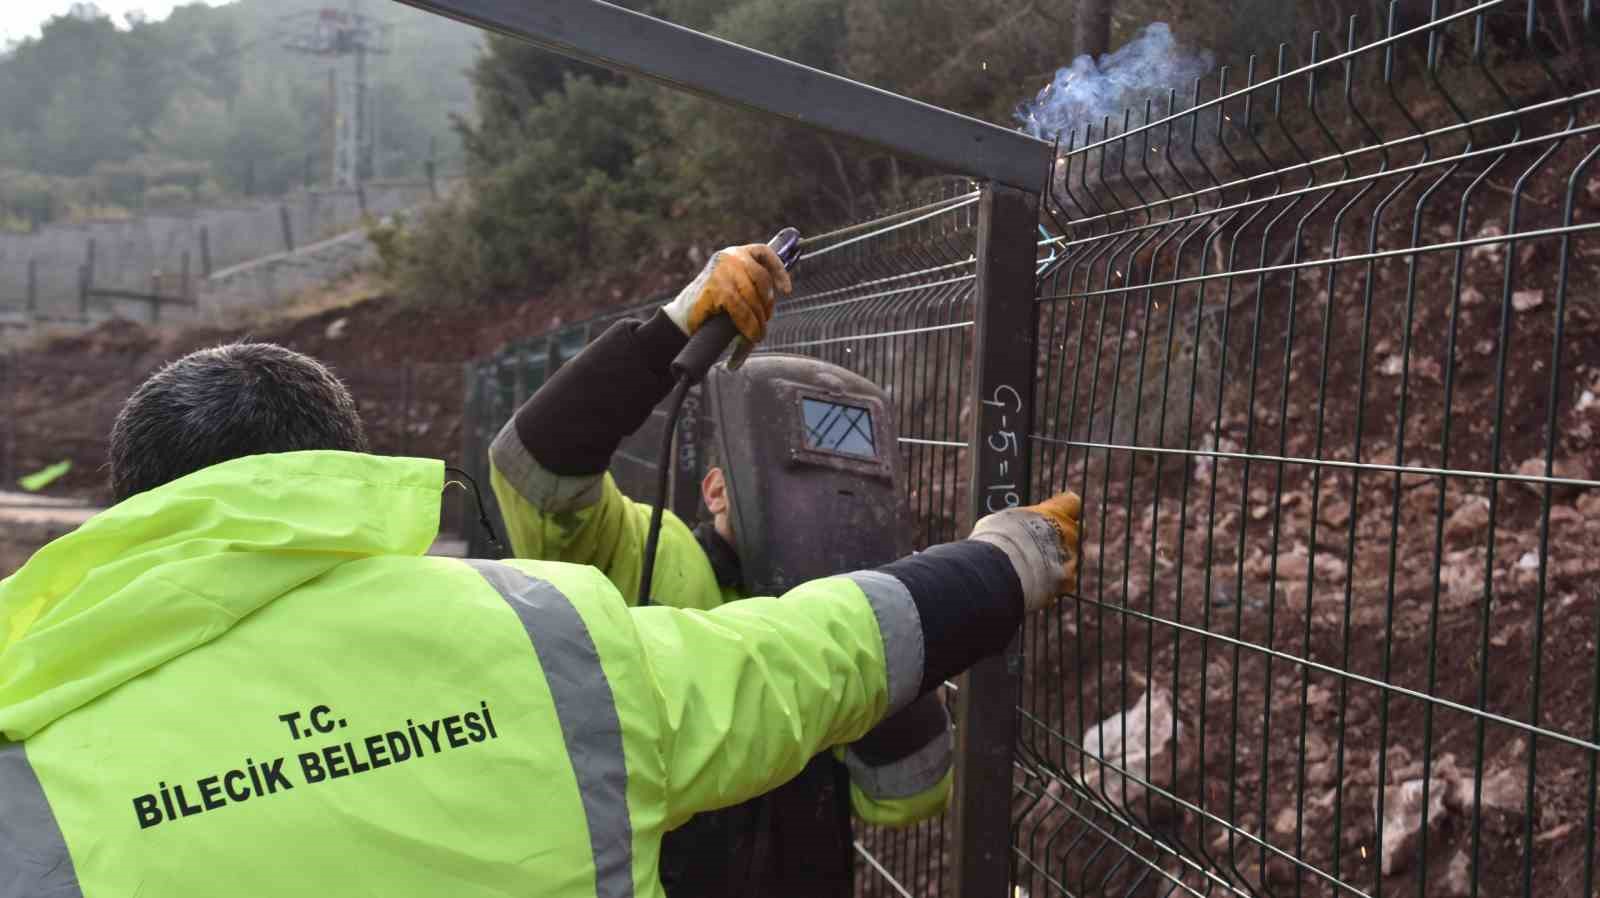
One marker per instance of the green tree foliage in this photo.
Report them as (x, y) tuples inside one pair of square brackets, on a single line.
[(570, 181), (569, 167), (95, 105)]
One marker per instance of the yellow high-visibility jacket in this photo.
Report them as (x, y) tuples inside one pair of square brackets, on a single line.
[(610, 532), (557, 512), (251, 681)]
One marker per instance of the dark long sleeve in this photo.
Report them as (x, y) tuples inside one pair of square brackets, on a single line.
[(574, 423), (969, 601), (904, 732)]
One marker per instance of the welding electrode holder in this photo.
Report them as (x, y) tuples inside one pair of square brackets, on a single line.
[(708, 343), (689, 368)]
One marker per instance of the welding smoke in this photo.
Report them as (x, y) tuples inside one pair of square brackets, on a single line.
[(1088, 90)]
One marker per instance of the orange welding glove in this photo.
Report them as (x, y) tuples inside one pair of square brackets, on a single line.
[(1042, 543), (743, 281)]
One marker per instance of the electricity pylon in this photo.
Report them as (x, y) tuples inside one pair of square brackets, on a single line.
[(345, 37)]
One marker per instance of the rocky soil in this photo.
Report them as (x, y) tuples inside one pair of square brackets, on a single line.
[(1320, 668)]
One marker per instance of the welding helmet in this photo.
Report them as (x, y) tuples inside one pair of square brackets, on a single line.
[(810, 455)]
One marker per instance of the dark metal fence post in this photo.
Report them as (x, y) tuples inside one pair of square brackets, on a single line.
[(552, 358), (472, 453), (407, 399), (8, 445), (33, 289), (288, 227), (86, 281), (431, 168), (1002, 402), (205, 252)]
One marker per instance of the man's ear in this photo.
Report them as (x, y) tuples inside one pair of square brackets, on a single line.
[(714, 490)]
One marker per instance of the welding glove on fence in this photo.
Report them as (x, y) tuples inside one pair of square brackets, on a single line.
[(743, 281), (1042, 543)]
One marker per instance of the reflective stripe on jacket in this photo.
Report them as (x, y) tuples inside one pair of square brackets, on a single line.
[(587, 520), (250, 681)]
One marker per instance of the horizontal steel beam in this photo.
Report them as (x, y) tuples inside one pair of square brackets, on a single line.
[(637, 44)]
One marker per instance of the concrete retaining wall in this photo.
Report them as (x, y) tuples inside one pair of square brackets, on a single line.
[(273, 280), (127, 254)]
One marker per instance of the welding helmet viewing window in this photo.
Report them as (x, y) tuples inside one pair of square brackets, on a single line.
[(811, 458)]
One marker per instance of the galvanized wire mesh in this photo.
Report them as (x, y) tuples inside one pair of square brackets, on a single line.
[(498, 385), (1318, 351), (891, 299)]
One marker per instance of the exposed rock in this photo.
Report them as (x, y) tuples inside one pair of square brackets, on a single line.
[(1450, 794), (1462, 573), (1471, 296), (1334, 512), (1318, 696), (1458, 876), (1504, 792), (1469, 521), (1330, 569), (1141, 741), (1292, 567), (1316, 748), (1403, 819), (1565, 516), (1399, 766), (1484, 346), (1524, 300), (1588, 504), (337, 328), (1259, 566), (1569, 468), (1425, 367), (1490, 252), (1320, 773), (1386, 455), (1554, 833)]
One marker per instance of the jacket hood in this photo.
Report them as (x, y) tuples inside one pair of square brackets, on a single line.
[(171, 569)]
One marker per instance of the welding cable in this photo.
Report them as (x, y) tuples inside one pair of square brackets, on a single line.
[(663, 469), (691, 367)]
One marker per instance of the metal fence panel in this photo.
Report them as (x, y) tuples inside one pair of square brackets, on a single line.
[(1311, 354), (497, 386), (893, 300), (1318, 344)]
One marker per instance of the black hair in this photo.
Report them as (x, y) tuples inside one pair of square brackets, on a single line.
[(224, 403)]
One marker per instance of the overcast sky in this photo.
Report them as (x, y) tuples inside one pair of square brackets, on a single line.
[(22, 18)]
